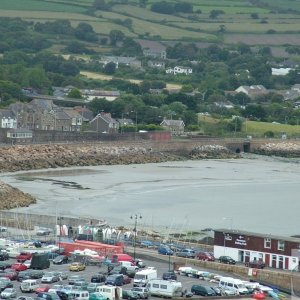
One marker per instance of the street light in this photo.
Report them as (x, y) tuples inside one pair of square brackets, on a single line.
[(134, 111), (135, 217), (60, 219)]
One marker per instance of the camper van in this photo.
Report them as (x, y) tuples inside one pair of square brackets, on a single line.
[(164, 288), (236, 285), (141, 278), (80, 295), (110, 292)]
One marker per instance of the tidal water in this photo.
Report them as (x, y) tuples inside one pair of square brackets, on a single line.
[(258, 194)]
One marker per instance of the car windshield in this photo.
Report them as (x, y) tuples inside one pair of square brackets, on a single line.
[(241, 286), (8, 290), (140, 276)]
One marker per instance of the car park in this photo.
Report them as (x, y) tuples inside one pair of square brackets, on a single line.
[(206, 256), (9, 293), (187, 253), (227, 260)]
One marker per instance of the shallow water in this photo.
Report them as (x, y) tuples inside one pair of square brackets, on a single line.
[(254, 194)]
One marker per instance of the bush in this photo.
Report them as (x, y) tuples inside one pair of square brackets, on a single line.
[(269, 134)]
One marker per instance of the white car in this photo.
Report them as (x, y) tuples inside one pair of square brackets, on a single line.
[(9, 293), (49, 278), (27, 263)]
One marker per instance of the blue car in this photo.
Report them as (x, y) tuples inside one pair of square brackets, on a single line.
[(165, 250)]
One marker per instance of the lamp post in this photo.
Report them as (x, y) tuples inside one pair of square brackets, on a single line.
[(135, 217), (59, 233), (134, 111)]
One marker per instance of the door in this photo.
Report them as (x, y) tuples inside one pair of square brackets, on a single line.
[(286, 263), (241, 256), (280, 263), (267, 260), (274, 261), (247, 256)]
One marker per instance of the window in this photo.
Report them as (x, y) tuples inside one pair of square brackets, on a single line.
[(281, 245), (267, 243), (163, 286), (155, 285)]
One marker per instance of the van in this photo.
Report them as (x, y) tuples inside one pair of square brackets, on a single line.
[(115, 279), (236, 285), (80, 295), (129, 266), (40, 261), (29, 285), (116, 258), (110, 292), (142, 278)]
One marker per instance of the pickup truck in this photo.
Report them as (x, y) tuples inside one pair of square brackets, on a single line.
[(23, 256)]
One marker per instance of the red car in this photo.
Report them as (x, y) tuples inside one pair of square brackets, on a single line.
[(19, 267), (23, 256), (10, 273), (42, 288), (207, 256)]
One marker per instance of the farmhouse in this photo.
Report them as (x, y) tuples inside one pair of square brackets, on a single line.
[(276, 251)]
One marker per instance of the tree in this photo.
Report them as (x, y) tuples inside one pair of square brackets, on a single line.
[(254, 16), (143, 3), (163, 7), (215, 13), (85, 32), (109, 68), (75, 93), (183, 7), (69, 69), (116, 36), (100, 4)]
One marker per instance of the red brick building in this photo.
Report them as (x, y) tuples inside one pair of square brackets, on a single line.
[(276, 251)]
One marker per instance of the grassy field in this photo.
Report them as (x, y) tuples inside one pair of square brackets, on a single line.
[(197, 26), (94, 75)]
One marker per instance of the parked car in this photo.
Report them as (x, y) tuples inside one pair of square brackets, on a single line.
[(202, 290), (141, 292), (207, 256), (9, 273), (47, 296), (5, 283), (258, 264), (4, 256), (116, 279), (127, 294), (43, 231), (72, 279), (19, 267), (42, 288), (23, 256), (146, 244), (80, 285), (91, 287), (23, 275), (126, 279), (227, 260), (165, 250), (25, 298), (187, 253), (61, 259), (9, 293), (36, 274), (170, 275), (50, 277), (76, 267), (98, 278)]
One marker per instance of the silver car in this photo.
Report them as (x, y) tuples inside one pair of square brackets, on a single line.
[(9, 293)]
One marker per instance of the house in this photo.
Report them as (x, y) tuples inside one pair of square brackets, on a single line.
[(8, 119), (152, 48), (122, 60), (104, 123), (156, 64), (179, 70), (253, 90), (75, 119), (276, 251), (86, 114), (175, 126), (126, 122), (90, 95), (281, 71), (19, 136)]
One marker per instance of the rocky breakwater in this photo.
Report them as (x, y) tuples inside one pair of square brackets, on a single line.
[(11, 197), (212, 151), (283, 149)]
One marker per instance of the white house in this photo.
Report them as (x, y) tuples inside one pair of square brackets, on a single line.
[(179, 70), (8, 120)]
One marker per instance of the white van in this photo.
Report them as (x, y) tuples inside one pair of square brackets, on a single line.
[(236, 285), (29, 285), (80, 295), (110, 292), (129, 266), (142, 278)]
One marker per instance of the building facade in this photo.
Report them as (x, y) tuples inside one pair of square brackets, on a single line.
[(276, 251)]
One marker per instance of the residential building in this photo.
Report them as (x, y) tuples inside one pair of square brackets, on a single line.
[(19, 136), (281, 71), (153, 49), (122, 60), (276, 251), (75, 119), (104, 123), (253, 90), (90, 95), (175, 126), (8, 119), (157, 64), (86, 114), (179, 70)]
